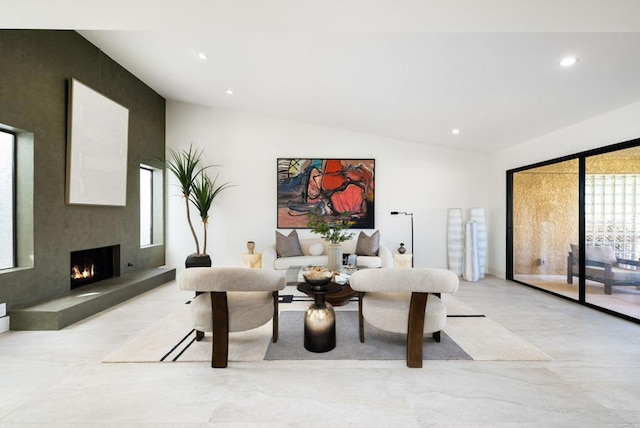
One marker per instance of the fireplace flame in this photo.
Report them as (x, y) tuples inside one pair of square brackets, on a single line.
[(85, 272)]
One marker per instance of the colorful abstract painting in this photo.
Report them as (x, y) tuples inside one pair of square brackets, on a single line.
[(332, 186)]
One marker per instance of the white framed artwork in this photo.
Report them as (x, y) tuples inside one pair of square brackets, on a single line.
[(96, 148)]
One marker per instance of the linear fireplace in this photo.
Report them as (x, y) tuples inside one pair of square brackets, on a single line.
[(94, 264)]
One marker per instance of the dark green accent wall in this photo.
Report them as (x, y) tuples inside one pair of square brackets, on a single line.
[(35, 68)]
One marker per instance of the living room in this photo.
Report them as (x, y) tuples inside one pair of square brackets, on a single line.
[(424, 179)]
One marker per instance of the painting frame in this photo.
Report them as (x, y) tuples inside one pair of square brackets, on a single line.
[(330, 185), (97, 145)]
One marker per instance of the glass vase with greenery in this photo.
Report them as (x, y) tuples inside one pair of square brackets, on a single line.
[(332, 229)]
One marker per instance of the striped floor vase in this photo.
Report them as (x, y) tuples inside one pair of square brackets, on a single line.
[(455, 244), (477, 215)]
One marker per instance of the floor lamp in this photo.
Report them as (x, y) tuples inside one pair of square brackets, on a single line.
[(413, 255)]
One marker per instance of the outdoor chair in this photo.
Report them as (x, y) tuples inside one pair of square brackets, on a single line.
[(602, 265)]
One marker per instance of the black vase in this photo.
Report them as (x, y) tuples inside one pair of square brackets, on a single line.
[(197, 260), (401, 249)]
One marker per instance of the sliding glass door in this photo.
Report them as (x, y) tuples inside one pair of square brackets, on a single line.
[(545, 224), (573, 228), (612, 231)]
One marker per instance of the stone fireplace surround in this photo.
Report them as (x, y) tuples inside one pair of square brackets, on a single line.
[(82, 302), (38, 108)]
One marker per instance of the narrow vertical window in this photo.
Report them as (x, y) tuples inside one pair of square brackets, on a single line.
[(146, 206), (7, 200)]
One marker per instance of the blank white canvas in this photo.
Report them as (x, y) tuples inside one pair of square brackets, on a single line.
[(96, 148)]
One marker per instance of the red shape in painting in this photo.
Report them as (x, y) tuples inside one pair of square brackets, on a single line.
[(348, 200), (333, 178)]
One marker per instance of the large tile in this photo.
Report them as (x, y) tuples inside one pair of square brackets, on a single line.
[(56, 378)]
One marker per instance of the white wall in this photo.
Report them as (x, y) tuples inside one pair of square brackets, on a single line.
[(410, 177), (614, 127)]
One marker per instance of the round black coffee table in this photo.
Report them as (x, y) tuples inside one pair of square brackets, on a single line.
[(320, 318), (338, 298)]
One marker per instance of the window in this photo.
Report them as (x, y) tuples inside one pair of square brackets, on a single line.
[(146, 206), (7, 199), (612, 213), (150, 206)]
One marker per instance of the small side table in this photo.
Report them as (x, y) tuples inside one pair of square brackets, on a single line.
[(253, 261), (402, 261), (320, 318)]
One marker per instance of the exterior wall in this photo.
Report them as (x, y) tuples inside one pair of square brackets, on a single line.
[(35, 67), (545, 218)]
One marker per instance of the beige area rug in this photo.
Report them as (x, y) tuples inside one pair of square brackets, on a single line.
[(171, 339)]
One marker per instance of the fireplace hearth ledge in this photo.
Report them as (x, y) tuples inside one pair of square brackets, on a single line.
[(80, 303)]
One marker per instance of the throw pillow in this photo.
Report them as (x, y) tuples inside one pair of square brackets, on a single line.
[(575, 251), (288, 246), (601, 254), (368, 245), (316, 249)]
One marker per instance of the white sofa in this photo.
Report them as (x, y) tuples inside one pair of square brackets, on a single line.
[(270, 259)]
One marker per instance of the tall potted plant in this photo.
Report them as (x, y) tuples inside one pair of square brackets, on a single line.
[(332, 229), (203, 193), (197, 189)]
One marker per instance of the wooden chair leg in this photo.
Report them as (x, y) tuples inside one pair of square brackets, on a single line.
[(199, 334), (220, 314), (274, 336), (360, 316), (415, 329)]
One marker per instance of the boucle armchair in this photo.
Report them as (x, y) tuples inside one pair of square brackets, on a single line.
[(404, 301), (231, 299)]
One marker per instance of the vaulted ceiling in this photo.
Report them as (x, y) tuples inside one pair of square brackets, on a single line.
[(410, 70)]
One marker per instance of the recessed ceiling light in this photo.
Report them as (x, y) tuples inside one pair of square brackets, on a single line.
[(455, 131), (202, 56), (568, 61), (229, 91)]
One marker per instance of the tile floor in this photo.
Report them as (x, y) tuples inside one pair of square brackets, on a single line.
[(56, 379)]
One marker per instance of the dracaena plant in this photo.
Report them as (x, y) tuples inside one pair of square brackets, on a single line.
[(203, 193), (195, 186)]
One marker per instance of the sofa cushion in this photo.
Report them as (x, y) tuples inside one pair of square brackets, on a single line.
[(287, 262), (368, 245), (369, 262), (619, 275), (288, 246), (601, 254)]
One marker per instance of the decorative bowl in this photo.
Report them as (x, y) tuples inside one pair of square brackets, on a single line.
[(317, 276)]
